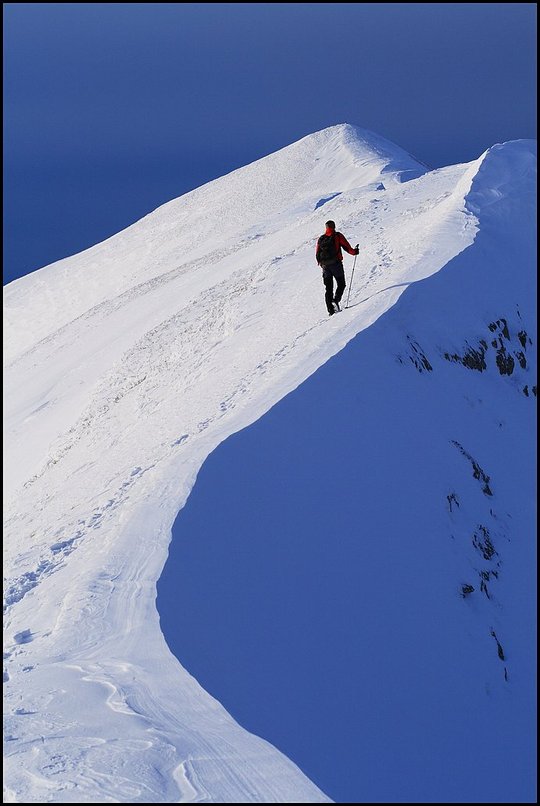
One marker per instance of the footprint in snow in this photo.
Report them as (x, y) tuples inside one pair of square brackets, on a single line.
[(23, 637)]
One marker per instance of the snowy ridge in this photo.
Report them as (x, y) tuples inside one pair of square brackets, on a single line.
[(200, 228), (127, 365)]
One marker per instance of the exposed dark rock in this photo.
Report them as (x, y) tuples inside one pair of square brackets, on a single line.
[(419, 359), (466, 590), (526, 390), (472, 359), (482, 542), (521, 358), (478, 473), (505, 362), (484, 579), (502, 325), (452, 498), (499, 647)]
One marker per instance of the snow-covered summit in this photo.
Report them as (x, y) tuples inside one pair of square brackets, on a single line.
[(129, 363), (268, 195)]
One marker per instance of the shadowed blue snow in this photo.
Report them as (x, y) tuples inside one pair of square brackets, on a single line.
[(112, 109), (321, 202), (314, 579)]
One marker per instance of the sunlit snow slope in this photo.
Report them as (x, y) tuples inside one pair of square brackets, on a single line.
[(125, 366)]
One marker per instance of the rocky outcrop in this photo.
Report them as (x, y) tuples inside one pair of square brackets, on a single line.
[(504, 348)]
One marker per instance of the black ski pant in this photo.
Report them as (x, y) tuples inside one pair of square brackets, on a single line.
[(329, 274)]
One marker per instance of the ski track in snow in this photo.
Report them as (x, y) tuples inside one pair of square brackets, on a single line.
[(108, 419)]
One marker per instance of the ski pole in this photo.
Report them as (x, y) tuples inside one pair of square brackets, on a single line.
[(352, 275)]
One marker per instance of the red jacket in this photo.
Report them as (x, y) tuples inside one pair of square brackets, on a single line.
[(340, 241)]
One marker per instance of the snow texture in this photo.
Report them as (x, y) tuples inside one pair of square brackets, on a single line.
[(128, 364)]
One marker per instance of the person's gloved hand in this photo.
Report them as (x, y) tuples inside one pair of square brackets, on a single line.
[(356, 251)]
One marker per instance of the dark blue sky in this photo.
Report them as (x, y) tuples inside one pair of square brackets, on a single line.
[(113, 109)]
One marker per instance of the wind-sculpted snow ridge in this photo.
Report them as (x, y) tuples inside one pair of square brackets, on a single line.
[(126, 366)]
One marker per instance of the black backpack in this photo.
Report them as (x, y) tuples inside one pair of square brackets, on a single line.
[(327, 252)]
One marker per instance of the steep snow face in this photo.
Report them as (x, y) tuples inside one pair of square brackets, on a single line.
[(126, 366), (368, 580)]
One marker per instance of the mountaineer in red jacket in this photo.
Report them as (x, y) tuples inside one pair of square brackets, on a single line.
[(330, 259)]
